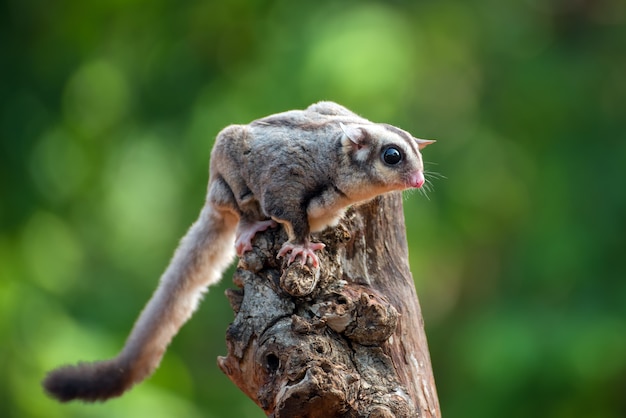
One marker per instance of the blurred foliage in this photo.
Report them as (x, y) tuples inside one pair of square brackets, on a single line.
[(108, 110)]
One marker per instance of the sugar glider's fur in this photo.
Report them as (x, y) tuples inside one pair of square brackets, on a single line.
[(301, 169)]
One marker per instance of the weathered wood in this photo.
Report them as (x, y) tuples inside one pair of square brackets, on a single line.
[(344, 340)]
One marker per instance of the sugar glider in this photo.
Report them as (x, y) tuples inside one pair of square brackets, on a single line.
[(300, 169)]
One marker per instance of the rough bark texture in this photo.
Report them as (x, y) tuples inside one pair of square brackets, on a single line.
[(344, 340)]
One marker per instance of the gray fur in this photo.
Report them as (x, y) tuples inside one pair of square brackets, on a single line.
[(301, 168)]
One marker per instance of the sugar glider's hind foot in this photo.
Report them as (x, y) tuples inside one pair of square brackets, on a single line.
[(246, 232), (306, 252), (89, 382)]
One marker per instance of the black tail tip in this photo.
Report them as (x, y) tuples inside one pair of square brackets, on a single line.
[(58, 385), (89, 382)]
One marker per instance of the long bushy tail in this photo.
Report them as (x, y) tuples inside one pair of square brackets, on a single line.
[(200, 260)]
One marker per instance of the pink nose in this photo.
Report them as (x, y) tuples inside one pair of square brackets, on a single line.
[(417, 179)]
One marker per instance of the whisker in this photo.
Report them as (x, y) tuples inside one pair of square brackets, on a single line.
[(434, 174), (408, 192), (428, 186)]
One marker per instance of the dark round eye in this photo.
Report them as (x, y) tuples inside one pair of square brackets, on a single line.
[(392, 155)]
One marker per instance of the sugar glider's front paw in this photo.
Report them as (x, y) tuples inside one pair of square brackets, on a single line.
[(246, 232), (306, 251)]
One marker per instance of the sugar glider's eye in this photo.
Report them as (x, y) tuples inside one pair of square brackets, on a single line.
[(391, 155)]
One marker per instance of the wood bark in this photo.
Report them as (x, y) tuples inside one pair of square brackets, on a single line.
[(342, 340)]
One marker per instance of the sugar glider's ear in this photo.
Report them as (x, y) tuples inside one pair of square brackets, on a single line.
[(423, 143), (353, 136)]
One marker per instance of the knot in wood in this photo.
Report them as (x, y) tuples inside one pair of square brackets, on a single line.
[(375, 320), (299, 280), (360, 313)]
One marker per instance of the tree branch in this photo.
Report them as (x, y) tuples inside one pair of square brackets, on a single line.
[(344, 340)]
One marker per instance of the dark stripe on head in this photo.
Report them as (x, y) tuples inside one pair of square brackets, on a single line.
[(405, 135)]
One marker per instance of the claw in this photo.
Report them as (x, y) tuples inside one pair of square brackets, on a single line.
[(306, 252)]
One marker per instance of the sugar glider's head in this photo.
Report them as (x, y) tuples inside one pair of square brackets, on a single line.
[(386, 156)]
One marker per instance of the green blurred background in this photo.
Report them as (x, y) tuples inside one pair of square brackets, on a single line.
[(108, 114)]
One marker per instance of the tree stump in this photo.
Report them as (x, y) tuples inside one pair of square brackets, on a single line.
[(342, 340)]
